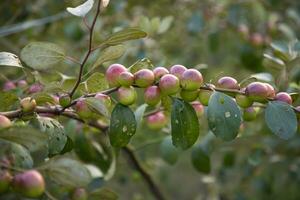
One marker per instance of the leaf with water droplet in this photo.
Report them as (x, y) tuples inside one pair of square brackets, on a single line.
[(122, 126)]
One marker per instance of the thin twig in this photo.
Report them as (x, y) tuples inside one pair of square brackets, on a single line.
[(89, 50)]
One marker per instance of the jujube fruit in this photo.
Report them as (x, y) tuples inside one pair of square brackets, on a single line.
[(228, 82), (152, 95), (159, 72), (284, 97), (156, 121), (112, 74), (126, 79), (64, 100), (189, 95), (249, 114), (198, 107), (257, 91), (177, 70), (28, 104), (9, 85), (191, 79), (271, 91), (169, 84), (105, 99), (5, 180), (4, 122), (83, 109), (126, 95), (144, 78)]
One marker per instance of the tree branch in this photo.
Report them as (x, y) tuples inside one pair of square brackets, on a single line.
[(89, 50)]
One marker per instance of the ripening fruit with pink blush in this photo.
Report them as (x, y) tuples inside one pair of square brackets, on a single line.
[(257, 91), (82, 109), (228, 82), (5, 180), (177, 70), (35, 88), (126, 79), (144, 78), (249, 114), (156, 121), (191, 79), (271, 91), (105, 99), (152, 95), (22, 84), (29, 184), (284, 97), (169, 84), (257, 39), (4, 122), (112, 74), (198, 107), (79, 194), (126, 95), (9, 85), (159, 72)]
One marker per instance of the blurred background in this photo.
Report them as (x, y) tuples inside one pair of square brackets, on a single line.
[(218, 37)]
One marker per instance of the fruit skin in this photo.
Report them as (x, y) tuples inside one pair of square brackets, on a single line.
[(29, 184), (126, 95), (191, 79), (22, 84), (156, 121), (249, 114), (284, 97), (4, 122), (144, 78), (198, 107), (189, 95), (271, 91), (228, 82), (256, 39), (152, 95), (126, 79), (204, 95), (243, 101), (105, 99), (5, 180), (82, 109), (35, 88), (177, 70), (169, 84), (28, 104), (257, 91), (112, 74), (79, 194), (64, 100), (9, 85), (159, 72)]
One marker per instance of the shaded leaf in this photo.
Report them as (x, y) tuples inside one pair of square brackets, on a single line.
[(7, 99), (184, 124), (139, 113), (42, 55), (97, 106), (81, 10), (43, 98), (224, 116), (168, 151), (9, 59), (281, 119), (124, 35), (109, 54), (122, 126), (201, 160), (103, 194), (96, 83)]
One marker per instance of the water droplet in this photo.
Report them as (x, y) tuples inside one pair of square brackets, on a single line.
[(227, 114)]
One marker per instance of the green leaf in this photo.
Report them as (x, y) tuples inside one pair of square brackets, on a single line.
[(201, 160), (272, 62), (184, 124), (7, 99), (124, 35), (26, 136), (21, 155), (144, 63), (9, 59), (103, 194), (168, 151), (97, 106), (139, 113), (67, 172), (43, 98), (224, 116), (96, 83), (42, 55), (109, 54), (68, 146), (122, 126), (281, 119), (81, 10), (165, 24), (57, 138)]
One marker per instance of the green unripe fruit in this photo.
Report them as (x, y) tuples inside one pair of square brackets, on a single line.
[(189, 95), (79, 194), (105, 99), (169, 84), (126, 79), (28, 104), (204, 95), (64, 100), (83, 109), (228, 82), (177, 70), (243, 101), (29, 184), (198, 107), (5, 180), (284, 97), (156, 121), (126, 95), (191, 79), (4, 122), (144, 78), (249, 114), (159, 72), (257, 91), (112, 74), (152, 95)]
